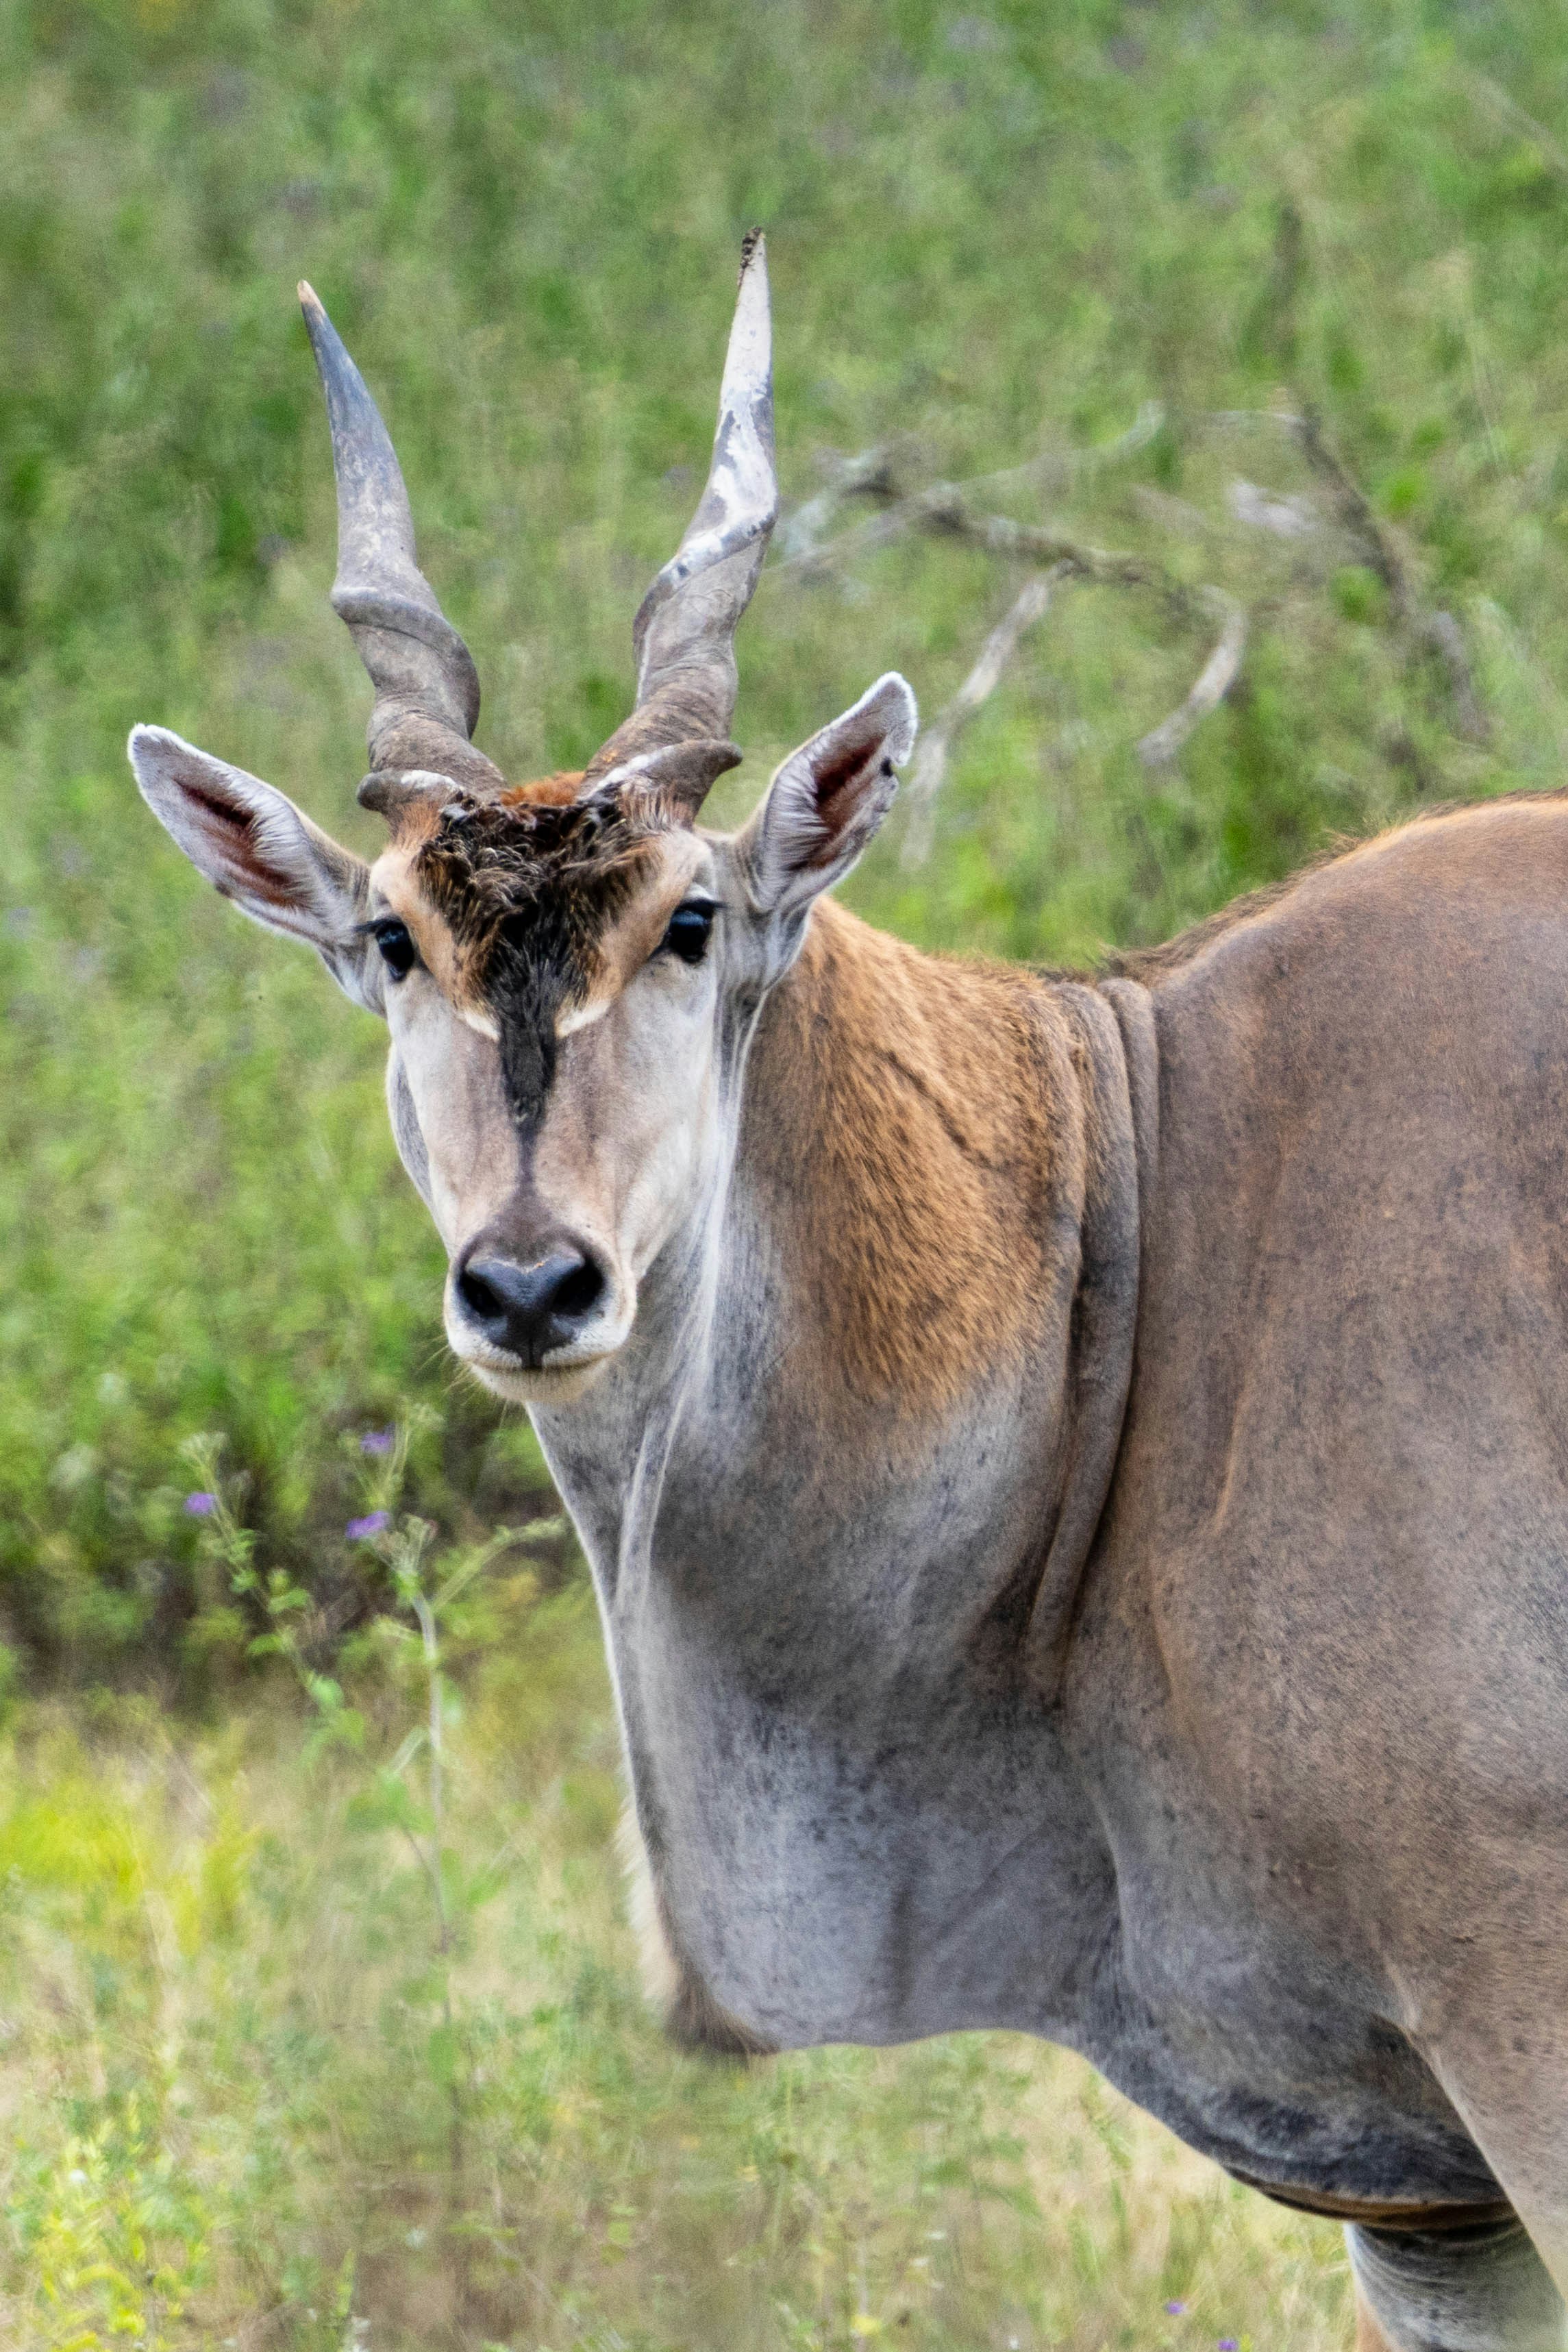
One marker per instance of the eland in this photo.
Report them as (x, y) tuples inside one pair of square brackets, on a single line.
[(1075, 1470)]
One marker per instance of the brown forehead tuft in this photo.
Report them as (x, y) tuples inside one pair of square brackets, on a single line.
[(419, 816), (526, 891), (535, 881), (545, 792)]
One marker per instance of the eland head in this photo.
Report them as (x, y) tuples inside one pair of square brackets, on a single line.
[(570, 967)]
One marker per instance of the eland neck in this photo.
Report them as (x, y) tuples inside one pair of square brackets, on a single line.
[(837, 1497)]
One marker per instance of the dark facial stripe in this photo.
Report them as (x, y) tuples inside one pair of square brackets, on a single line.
[(526, 993), (527, 893)]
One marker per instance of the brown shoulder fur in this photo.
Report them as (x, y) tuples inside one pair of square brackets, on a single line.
[(918, 1131)]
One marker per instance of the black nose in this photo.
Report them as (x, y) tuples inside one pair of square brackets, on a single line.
[(530, 1310)]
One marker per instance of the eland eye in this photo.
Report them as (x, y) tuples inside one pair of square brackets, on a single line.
[(398, 951), (690, 927)]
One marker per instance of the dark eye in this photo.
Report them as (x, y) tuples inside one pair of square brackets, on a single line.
[(398, 951), (690, 925)]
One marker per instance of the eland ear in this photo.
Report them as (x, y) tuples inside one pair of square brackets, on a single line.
[(827, 798), (259, 850)]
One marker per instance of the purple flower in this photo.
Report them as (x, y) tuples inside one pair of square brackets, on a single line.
[(1175, 2309), (1227, 2344), (361, 1530), (201, 1507), (377, 1441)]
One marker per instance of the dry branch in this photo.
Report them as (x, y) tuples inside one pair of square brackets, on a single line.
[(1432, 632), (1442, 634), (944, 510), (873, 474), (1426, 630), (1214, 681), (1056, 468), (947, 510), (1260, 509), (931, 760), (1359, 518), (944, 507)]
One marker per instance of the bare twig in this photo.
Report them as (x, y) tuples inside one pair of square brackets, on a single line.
[(947, 511), (944, 507), (1058, 466), (1213, 683), (944, 510), (1168, 512), (931, 761), (875, 532), (1286, 518), (1429, 632), (871, 475), (875, 474), (1446, 639), (1359, 518)]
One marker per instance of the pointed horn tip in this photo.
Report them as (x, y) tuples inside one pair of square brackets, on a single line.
[(308, 298)]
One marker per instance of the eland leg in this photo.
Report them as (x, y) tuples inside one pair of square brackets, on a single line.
[(1480, 2289)]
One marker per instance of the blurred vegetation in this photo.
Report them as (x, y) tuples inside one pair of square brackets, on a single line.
[(231, 2056), (252, 2101)]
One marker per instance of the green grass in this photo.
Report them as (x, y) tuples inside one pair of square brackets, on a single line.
[(996, 232), (248, 2102)]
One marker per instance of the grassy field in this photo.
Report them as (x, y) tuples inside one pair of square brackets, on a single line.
[(256, 2093), (250, 2100)]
